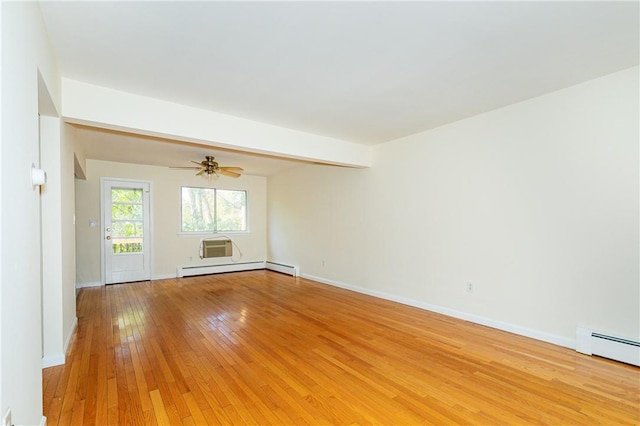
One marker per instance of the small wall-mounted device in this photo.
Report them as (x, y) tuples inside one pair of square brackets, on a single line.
[(38, 176)]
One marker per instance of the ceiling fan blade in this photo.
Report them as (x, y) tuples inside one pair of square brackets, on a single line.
[(210, 167), (233, 169), (224, 172)]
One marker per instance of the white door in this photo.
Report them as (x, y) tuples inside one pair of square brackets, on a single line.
[(127, 248)]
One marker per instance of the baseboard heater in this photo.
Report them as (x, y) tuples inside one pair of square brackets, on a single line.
[(279, 267), (190, 271), (592, 343)]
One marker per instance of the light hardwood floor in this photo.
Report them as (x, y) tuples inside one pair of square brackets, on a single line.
[(264, 348)]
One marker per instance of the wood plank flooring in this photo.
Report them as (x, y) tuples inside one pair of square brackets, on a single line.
[(264, 348)]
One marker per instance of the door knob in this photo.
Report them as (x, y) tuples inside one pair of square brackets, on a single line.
[(108, 229), (108, 237)]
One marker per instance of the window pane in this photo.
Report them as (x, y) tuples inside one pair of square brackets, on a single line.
[(213, 210), (126, 211), (231, 209), (198, 209), (126, 229), (126, 245), (126, 195), (126, 220)]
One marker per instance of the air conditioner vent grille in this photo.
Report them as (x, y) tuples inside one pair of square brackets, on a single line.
[(215, 248)]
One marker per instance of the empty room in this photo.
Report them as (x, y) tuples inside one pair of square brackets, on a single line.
[(291, 213)]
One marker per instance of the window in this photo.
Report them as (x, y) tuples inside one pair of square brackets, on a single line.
[(127, 221), (213, 210)]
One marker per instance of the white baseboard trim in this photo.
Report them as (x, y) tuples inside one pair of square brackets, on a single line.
[(70, 335), (188, 271), (43, 421), (60, 359), (500, 325), (53, 360), (162, 277), (90, 284), (98, 283)]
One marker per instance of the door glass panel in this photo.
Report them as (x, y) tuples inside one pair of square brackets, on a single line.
[(127, 229), (126, 211), (126, 195), (126, 220)]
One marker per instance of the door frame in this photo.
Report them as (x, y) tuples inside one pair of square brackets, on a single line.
[(103, 266)]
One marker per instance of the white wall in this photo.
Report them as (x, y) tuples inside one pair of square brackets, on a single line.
[(58, 240), (25, 52), (68, 226), (80, 160), (51, 198), (2, 402), (537, 204), (107, 108), (170, 249)]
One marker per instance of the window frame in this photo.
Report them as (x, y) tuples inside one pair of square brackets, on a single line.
[(215, 198)]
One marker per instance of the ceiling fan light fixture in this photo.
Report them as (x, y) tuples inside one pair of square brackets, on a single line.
[(212, 169)]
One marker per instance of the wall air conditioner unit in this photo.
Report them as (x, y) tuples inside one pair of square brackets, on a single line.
[(215, 248)]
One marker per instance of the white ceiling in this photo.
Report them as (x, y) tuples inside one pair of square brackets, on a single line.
[(365, 72)]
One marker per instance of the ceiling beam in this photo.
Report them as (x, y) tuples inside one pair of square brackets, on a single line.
[(102, 107)]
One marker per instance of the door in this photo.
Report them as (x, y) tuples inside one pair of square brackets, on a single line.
[(126, 237)]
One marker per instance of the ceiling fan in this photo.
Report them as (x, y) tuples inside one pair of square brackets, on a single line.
[(210, 168)]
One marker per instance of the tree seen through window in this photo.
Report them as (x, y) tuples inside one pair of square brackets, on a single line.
[(213, 210)]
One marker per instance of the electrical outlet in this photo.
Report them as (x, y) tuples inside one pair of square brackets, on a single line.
[(469, 287), (6, 420)]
